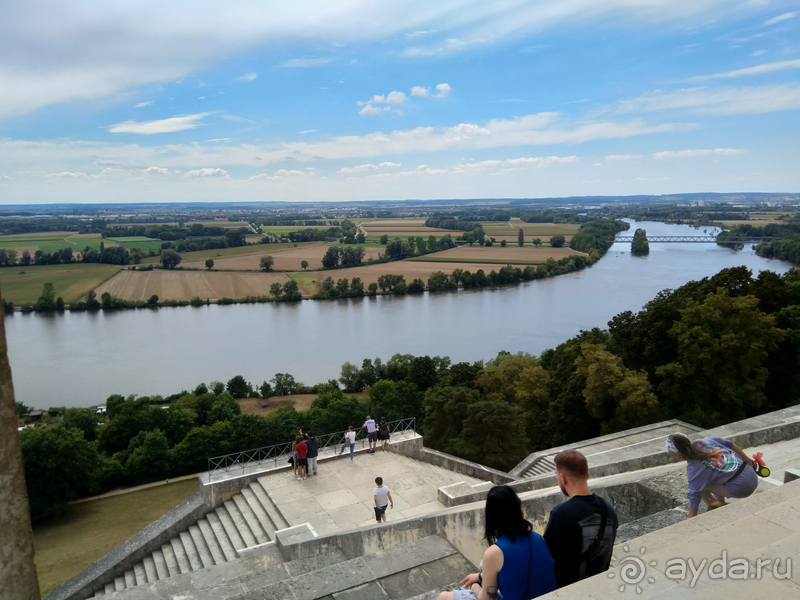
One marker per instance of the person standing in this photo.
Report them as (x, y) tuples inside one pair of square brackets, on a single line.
[(581, 531), (716, 469), (313, 452), (383, 433), (372, 433), (349, 438), (302, 462), (381, 498)]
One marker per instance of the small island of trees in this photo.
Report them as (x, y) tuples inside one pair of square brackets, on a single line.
[(640, 246)]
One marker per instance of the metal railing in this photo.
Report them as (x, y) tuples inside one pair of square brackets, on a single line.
[(329, 445)]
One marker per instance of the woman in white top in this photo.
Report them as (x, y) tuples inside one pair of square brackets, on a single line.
[(381, 498), (349, 438)]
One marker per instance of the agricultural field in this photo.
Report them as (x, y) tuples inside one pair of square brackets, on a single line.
[(52, 241), (287, 229), (202, 255), (65, 546), (71, 281), (508, 230), (223, 224), (138, 241), (286, 259), (515, 255), (185, 285)]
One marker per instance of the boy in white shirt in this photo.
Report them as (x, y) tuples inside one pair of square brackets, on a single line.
[(350, 438), (381, 498)]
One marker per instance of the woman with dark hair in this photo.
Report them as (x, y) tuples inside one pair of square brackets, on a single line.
[(383, 433), (716, 469), (517, 565)]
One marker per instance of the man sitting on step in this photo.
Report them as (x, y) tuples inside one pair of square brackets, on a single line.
[(581, 531)]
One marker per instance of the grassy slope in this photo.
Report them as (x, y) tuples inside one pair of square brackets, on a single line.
[(24, 284), (66, 546)]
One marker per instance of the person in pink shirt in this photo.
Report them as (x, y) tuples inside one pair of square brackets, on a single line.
[(302, 458)]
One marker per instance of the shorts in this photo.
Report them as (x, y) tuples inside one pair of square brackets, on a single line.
[(372, 436), (379, 511), (462, 594), (302, 462), (294, 455)]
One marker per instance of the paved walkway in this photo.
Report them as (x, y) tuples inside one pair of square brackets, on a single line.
[(340, 497)]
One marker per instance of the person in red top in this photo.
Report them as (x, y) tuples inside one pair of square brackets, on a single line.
[(302, 458)]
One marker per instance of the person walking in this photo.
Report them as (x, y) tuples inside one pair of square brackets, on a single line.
[(381, 498), (349, 438), (383, 433), (517, 565), (313, 452), (581, 531), (302, 462), (716, 469), (372, 433)]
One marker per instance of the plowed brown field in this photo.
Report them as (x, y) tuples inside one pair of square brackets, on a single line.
[(498, 254), (285, 260), (185, 285)]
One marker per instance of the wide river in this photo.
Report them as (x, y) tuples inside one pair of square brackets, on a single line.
[(79, 359)]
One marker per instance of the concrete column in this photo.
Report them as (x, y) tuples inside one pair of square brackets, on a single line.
[(17, 570)]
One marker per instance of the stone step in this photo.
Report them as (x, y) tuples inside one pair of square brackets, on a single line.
[(221, 536), (150, 569), (169, 558), (110, 588), (130, 578), (258, 510), (119, 584), (99, 593), (162, 571), (275, 515), (192, 554), (212, 543), (139, 574), (251, 519), (179, 553), (230, 528), (200, 545), (241, 525)]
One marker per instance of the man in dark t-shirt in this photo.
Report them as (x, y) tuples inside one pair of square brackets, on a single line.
[(581, 531)]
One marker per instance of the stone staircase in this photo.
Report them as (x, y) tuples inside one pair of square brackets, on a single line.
[(415, 570), (543, 465), (248, 519)]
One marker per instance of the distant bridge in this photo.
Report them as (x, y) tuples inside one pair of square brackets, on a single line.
[(696, 239)]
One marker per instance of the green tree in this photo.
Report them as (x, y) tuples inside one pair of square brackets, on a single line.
[(718, 374), (557, 241), (47, 301), (22, 409), (384, 239), (331, 258), (520, 238), (60, 466), (224, 408), (170, 259), (148, 457), (266, 262), (640, 246), (291, 291), (83, 419), (304, 264), (491, 434), (284, 384), (238, 387), (349, 377), (275, 289), (210, 263), (537, 242)]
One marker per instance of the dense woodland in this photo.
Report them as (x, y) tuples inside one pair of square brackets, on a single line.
[(710, 352)]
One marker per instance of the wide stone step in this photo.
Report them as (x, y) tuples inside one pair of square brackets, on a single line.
[(241, 525), (179, 553), (230, 528), (260, 514), (191, 551), (150, 569), (251, 519), (169, 558), (200, 545), (211, 541), (221, 536), (275, 515), (162, 571)]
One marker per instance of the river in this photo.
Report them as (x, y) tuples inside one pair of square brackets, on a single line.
[(79, 359)]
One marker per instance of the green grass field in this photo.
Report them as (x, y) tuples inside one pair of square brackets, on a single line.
[(24, 284), (50, 242), (482, 261), (542, 230), (66, 546), (237, 251), (137, 241)]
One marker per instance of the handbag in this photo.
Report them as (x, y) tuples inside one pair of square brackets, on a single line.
[(291, 460)]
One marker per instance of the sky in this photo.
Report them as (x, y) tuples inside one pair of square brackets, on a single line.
[(152, 101)]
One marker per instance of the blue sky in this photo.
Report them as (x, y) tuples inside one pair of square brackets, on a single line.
[(233, 101)]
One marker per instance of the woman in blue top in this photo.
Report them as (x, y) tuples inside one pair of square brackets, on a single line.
[(717, 469), (517, 565)]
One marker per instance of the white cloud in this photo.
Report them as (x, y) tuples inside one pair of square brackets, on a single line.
[(417, 34), (207, 172), (390, 98), (420, 91), (718, 101), (156, 171), (248, 76), (758, 53), (143, 104), (169, 125), (444, 90), (515, 164), (102, 162), (6, 178), (597, 165), (694, 153), (623, 156), (152, 45), (779, 18), (304, 63), (284, 174), (389, 165), (359, 168), (756, 70), (215, 140), (371, 111), (68, 175)]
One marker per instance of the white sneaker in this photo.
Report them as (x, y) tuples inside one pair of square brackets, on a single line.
[(299, 479)]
